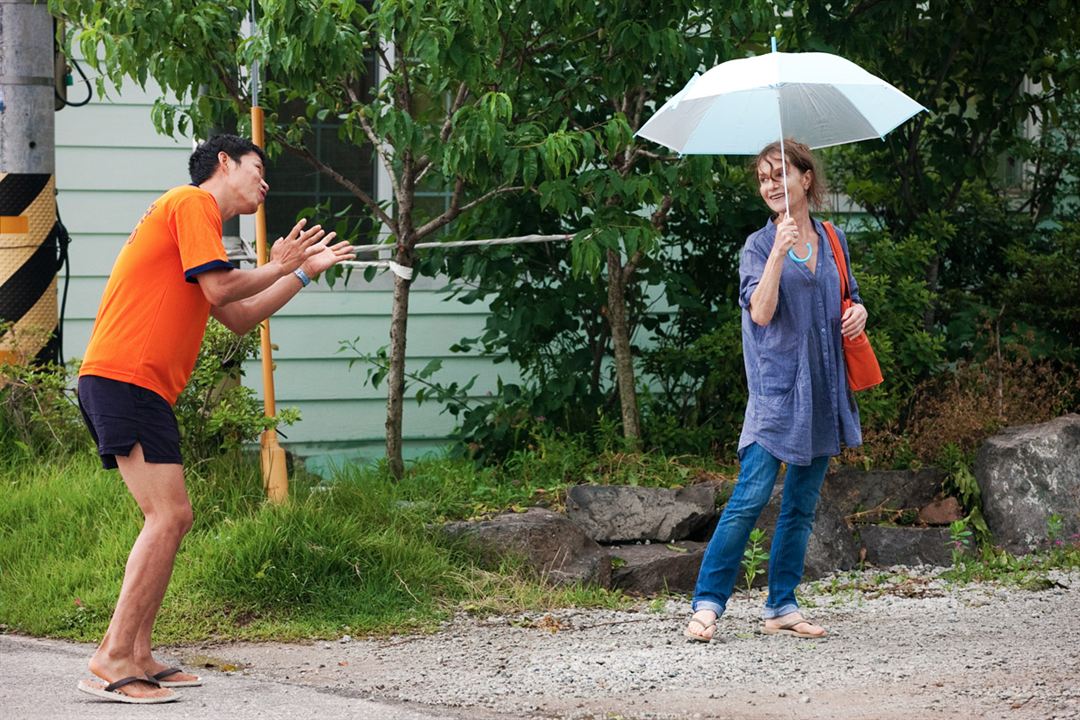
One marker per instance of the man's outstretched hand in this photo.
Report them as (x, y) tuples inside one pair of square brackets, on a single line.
[(328, 255), (301, 243), (309, 248)]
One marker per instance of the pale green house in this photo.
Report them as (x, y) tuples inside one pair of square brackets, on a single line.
[(110, 164)]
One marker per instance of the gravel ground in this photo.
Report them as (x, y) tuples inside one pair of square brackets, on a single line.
[(903, 644)]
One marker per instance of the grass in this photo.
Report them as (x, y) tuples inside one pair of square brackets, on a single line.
[(354, 554), (358, 555), (985, 564), (1031, 572), (540, 475)]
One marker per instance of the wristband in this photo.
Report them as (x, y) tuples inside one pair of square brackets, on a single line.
[(299, 272)]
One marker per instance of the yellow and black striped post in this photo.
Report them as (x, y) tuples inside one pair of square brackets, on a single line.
[(28, 228), (28, 264)]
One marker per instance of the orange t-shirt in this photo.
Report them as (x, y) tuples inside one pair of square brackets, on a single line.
[(153, 313)]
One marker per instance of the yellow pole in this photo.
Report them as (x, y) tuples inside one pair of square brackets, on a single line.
[(275, 477)]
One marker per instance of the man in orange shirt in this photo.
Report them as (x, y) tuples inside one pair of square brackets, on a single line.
[(170, 276)]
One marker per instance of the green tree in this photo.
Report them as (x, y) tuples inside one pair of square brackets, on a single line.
[(620, 198), (646, 52), (445, 113), (945, 212), (986, 71)]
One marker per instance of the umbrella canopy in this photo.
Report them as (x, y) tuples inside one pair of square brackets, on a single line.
[(741, 106)]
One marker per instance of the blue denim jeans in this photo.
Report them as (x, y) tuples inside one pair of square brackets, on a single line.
[(723, 556)]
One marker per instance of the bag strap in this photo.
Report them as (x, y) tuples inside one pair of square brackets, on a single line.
[(838, 256)]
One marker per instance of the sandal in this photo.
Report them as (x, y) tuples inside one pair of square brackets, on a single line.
[(169, 672), (788, 628), (700, 636), (111, 691)]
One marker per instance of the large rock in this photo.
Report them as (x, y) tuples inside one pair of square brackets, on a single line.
[(552, 545), (1028, 474), (888, 545), (831, 546), (849, 490), (654, 568), (616, 513)]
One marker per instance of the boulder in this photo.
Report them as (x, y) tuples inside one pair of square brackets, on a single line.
[(1028, 474), (941, 512), (655, 568), (831, 546), (553, 546), (618, 513), (850, 490), (888, 545)]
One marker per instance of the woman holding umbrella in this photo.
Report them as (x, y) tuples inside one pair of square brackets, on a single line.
[(800, 410)]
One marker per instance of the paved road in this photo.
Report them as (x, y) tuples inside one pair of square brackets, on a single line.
[(39, 678)]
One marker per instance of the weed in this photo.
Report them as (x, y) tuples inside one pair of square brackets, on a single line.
[(754, 556), (659, 603), (960, 482), (993, 564), (960, 540), (1055, 528), (963, 407), (38, 411)]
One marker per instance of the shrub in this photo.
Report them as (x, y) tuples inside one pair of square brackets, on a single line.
[(215, 412), (700, 393), (965, 406), (38, 411)]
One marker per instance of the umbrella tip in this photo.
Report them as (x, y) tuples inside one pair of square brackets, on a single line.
[(774, 43)]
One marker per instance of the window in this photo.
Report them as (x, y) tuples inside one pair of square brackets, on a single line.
[(295, 184)]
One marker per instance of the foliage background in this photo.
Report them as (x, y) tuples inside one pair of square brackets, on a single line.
[(964, 240), (964, 226)]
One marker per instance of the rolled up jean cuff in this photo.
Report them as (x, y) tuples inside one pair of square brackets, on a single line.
[(708, 605), (769, 613)]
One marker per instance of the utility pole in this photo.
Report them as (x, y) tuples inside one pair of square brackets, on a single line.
[(28, 229)]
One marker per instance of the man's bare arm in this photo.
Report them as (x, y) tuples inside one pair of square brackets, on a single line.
[(243, 315), (221, 287)]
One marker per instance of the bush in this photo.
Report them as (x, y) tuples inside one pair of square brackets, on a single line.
[(38, 411), (700, 396), (215, 412), (974, 401)]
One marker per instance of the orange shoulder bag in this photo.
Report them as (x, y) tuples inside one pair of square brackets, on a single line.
[(863, 371)]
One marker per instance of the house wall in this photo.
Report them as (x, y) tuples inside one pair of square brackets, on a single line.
[(111, 165)]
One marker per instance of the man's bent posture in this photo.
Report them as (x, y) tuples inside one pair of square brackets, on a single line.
[(170, 276)]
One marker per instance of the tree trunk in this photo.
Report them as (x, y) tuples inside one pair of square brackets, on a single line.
[(395, 378), (620, 340)]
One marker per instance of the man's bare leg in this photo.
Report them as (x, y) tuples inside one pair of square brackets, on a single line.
[(143, 652), (160, 493)]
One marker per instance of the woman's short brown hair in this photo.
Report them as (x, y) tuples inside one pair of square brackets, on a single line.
[(802, 158)]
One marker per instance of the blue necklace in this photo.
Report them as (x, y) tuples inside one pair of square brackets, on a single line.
[(809, 251)]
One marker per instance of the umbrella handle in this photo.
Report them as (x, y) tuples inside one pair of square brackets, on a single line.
[(809, 251)]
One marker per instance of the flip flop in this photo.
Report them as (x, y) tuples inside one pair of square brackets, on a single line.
[(788, 628), (160, 677), (111, 692), (699, 637)]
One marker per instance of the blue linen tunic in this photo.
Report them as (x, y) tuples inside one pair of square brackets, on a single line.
[(800, 406)]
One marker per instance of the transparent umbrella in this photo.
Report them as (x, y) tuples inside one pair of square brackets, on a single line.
[(740, 106)]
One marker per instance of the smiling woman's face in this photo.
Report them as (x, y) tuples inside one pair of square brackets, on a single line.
[(771, 184)]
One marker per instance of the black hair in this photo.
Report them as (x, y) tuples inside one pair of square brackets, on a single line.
[(204, 161)]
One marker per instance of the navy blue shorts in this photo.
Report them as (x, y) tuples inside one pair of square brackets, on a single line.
[(120, 414)]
